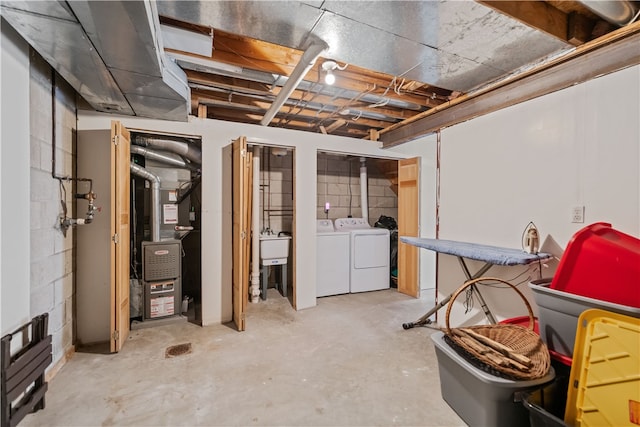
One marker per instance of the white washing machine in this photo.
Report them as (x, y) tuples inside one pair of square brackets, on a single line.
[(332, 259), (370, 260)]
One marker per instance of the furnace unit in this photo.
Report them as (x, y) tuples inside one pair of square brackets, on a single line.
[(161, 272)]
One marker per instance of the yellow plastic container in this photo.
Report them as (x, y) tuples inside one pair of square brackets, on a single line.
[(604, 384)]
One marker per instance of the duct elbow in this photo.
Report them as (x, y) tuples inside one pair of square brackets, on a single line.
[(620, 13)]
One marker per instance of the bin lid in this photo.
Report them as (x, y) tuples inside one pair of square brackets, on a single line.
[(601, 263), (604, 384)]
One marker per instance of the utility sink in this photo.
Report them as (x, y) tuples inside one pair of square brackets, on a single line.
[(274, 250)]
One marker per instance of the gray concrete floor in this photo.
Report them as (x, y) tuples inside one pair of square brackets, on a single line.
[(346, 362)]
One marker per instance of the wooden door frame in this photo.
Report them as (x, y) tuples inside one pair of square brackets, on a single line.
[(408, 256)]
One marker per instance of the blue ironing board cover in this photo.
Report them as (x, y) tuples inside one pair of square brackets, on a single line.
[(490, 254)]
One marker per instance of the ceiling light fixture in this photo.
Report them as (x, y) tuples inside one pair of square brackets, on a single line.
[(328, 67), (329, 78)]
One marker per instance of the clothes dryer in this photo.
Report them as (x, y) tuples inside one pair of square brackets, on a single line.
[(369, 255)]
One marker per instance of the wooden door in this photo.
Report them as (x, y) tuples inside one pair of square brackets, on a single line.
[(120, 177), (242, 161), (408, 218)]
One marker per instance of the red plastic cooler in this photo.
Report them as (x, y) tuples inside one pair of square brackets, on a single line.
[(601, 263)]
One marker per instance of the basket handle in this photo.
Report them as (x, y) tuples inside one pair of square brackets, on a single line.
[(495, 279)]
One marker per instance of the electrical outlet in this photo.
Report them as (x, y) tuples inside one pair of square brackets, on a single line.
[(577, 214)]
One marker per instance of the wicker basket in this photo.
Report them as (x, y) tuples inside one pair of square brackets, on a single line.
[(511, 351)]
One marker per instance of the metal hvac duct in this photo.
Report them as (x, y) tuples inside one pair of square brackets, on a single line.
[(163, 158), (110, 52), (155, 198), (188, 151), (620, 13)]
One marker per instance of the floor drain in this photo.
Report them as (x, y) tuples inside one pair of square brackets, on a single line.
[(177, 350)]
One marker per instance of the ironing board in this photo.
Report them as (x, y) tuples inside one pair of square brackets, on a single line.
[(490, 255)]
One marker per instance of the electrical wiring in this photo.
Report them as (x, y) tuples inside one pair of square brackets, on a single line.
[(468, 300), (397, 88), (634, 18)]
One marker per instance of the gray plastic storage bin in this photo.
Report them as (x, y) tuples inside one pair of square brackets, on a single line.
[(559, 312), (479, 398), (546, 404)]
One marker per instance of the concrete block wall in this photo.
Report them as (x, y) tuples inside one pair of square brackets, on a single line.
[(276, 177), (52, 252), (339, 184)]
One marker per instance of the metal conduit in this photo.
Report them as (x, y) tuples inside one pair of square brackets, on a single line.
[(344, 94)]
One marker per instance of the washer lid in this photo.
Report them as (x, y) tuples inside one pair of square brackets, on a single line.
[(324, 226)]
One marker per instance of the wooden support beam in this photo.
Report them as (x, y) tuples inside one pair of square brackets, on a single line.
[(537, 14), (579, 29), (605, 55), (335, 125)]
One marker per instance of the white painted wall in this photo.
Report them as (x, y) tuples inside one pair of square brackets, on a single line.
[(426, 149), (14, 181), (533, 162), (216, 135)]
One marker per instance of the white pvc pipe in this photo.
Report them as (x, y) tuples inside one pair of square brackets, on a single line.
[(307, 60), (255, 230), (364, 200)]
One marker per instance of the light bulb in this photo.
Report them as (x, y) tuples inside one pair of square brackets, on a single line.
[(329, 78)]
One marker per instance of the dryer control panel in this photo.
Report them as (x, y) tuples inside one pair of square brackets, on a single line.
[(347, 224)]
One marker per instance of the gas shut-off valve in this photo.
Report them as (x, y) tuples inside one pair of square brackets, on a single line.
[(91, 209)]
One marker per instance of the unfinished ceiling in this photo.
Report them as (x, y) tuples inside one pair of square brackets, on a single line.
[(396, 59), (265, 62)]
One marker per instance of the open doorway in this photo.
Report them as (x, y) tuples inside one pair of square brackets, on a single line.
[(355, 196), (139, 255), (276, 206), (165, 240), (262, 194), (357, 207)]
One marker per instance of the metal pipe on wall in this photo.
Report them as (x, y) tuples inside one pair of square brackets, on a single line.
[(364, 199), (155, 198)]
